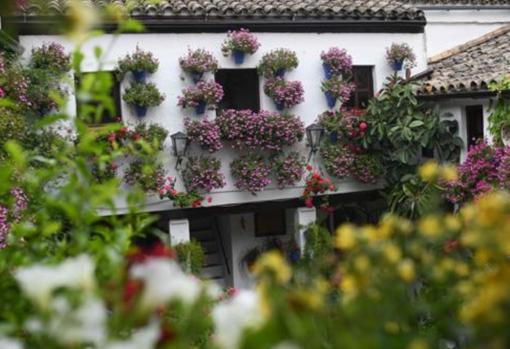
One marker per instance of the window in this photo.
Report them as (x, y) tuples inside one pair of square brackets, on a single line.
[(241, 87), (362, 77), (104, 81), (270, 223), (474, 121)]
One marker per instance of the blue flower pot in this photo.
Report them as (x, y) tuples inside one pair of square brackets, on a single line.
[(196, 77), (328, 72), (280, 73), (280, 106), (200, 108), (141, 111), (331, 100), (397, 65), (238, 57), (139, 75), (333, 137), (295, 256)]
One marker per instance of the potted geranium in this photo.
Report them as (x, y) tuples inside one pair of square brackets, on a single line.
[(204, 132), (396, 54), (239, 43), (277, 62), (202, 174), (142, 96), (140, 63), (51, 57), (285, 94), (198, 62), (336, 62), (149, 176), (288, 168), (203, 94), (251, 173), (316, 186), (336, 89)]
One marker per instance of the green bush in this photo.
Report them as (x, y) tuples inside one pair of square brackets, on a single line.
[(191, 256)]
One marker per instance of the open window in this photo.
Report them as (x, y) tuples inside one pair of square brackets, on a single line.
[(241, 87), (92, 107), (362, 76), (270, 223), (474, 122)]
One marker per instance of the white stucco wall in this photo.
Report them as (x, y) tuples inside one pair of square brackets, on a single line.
[(365, 48), (448, 28)]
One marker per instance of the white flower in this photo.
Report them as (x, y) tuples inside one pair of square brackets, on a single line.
[(164, 281), (7, 343), (145, 338), (235, 315), (286, 345), (38, 281)]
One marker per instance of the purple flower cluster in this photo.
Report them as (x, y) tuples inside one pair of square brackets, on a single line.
[(485, 168), (366, 168), (240, 40), (4, 227), (149, 176), (17, 88), (340, 89), (52, 57), (204, 132), (264, 130), (20, 205), (202, 174), (199, 61), (251, 173), (278, 60), (209, 92), (338, 159), (286, 93), (289, 169), (338, 60)]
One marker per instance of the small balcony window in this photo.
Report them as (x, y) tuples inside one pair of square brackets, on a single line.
[(241, 87)]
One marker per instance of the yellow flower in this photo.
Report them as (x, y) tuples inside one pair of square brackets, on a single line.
[(430, 226), (392, 327), (345, 237), (370, 233), (392, 252), (362, 264), (461, 269), (418, 344), (429, 171), (406, 270), (349, 285), (449, 173), (452, 222), (274, 264)]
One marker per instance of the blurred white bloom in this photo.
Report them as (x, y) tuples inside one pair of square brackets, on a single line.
[(7, 343), (81, 20), (164, 281), (39, 281), (145, 338), (286, 345), (235, 315)]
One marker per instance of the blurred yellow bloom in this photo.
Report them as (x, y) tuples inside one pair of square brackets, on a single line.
[(349, 285), (429, 171), (430, 226), (392, 252), (345, 237), (392, 327), (307, 299), (462, 269), (273, 263), (81, 19), (449, 173), (452, 222), (406, 270), (370, 233), (362, 264), (418, 344)]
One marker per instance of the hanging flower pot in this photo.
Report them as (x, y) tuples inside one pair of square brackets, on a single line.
[(140, 110), (200, 108), (328, 72), (238, 56), (330, 98), (139, 75), (280, 73), (196, 76), (333, 137), (198, 62), (397, 65), (280, 106)]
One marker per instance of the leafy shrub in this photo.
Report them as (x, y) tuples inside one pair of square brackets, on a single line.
[(191, 256), (143, 94)]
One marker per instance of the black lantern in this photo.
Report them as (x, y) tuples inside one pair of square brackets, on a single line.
[(314, 134), (180, 144)]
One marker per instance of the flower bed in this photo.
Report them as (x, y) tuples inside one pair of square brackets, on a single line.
[(277, 62), (285, 94), (263, 130), (251, 173), (202, 174), (205, 93), (204, 132), (288, 168)]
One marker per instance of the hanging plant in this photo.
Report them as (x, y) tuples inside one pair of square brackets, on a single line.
[(197, 63), (337, 89), (285, 94), (288, 168), (338, 159), (140, 63), (336, 62), (143, 96), (180, 199), (239, 43), (103, 171), (277, 63), (204, 132), (367, 168), (396, 54), (316, 186), (202, 174), (204, 94), (51, 57), (152, 134), (251, 173), (148, 174)]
